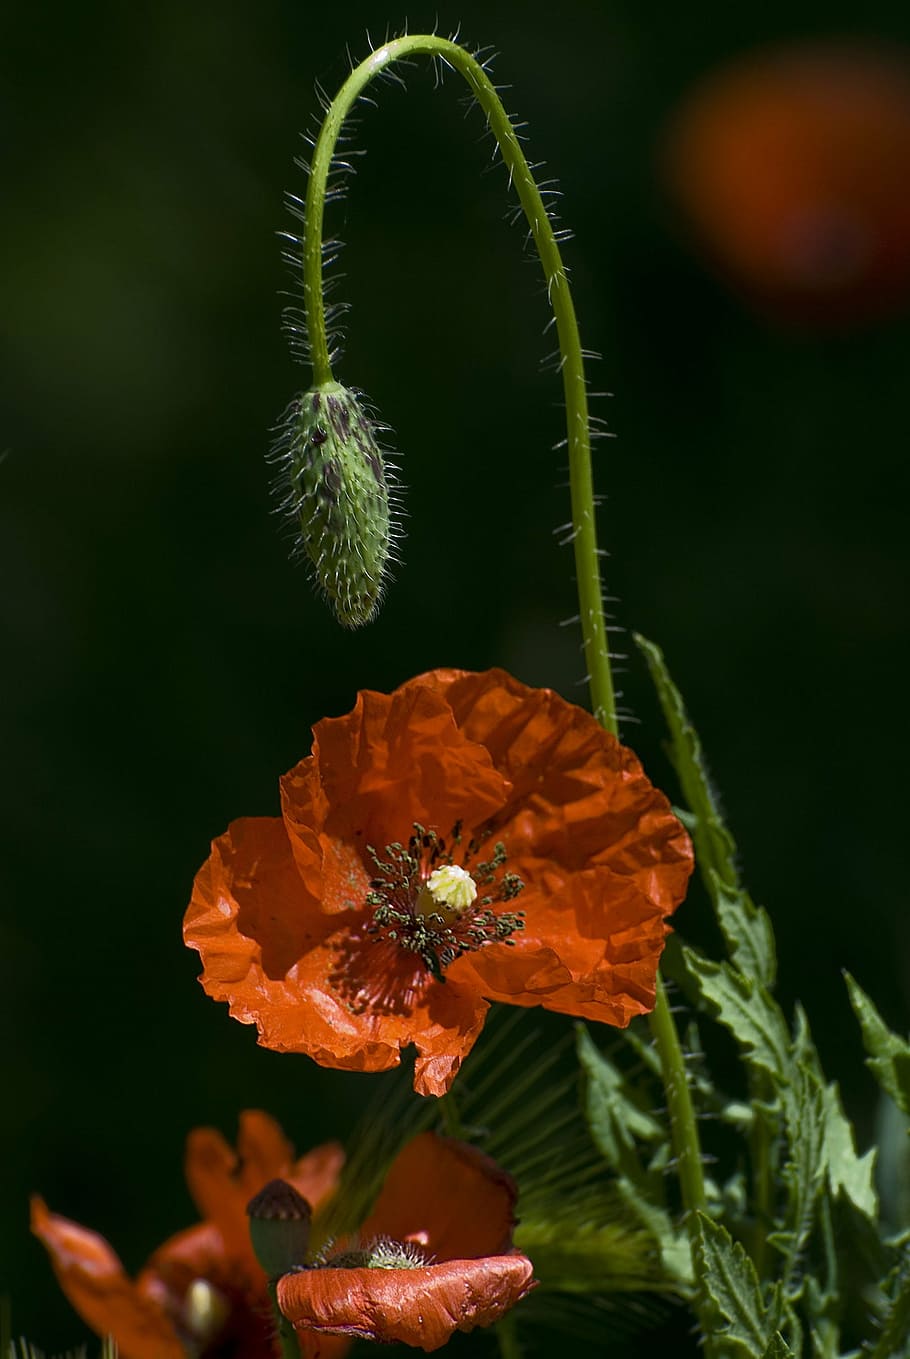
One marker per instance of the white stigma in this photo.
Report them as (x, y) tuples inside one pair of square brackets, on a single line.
[(451, 887)]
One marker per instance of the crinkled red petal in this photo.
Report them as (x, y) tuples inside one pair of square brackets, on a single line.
[(591, 949), (578, 797), (316, 983), (446, 1196), (395, 760), (419, 1307)]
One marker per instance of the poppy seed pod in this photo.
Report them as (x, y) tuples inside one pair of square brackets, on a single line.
[(280, 1220), (337, 490)]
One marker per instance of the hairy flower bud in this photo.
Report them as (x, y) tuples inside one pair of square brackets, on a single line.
[(337, 490)]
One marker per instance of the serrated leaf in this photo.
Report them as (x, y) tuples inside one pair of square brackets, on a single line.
[(729, 1290), (889, 1054), (746, 1008), (848, 1173), (777, 1348), (714, 845), (614, 1119), (748, 933), (746, 927), (803, 1099), (894, 1336)]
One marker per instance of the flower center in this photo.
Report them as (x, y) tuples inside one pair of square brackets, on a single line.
[(447, 891), (431, 906)]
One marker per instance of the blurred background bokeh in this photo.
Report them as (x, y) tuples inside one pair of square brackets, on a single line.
[(163, 662)]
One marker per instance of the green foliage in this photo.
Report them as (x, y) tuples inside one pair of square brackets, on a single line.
[(894, 1326), (889, 1055), (779, 1264), (730, 1291)]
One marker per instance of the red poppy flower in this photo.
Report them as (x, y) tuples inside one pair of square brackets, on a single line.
[(461, 840), (433, 1257), (792, 165), (203, 1290)]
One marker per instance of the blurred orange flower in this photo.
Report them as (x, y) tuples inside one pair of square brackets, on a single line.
[(203, 1291), (792, 164), (442, 1227), (382, 908)]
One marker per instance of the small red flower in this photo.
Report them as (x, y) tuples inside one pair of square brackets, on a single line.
[(792, 165), (434, 1256), (461, 840), (202, 1291)]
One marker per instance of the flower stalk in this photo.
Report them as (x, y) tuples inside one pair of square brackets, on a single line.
[(584, 533)]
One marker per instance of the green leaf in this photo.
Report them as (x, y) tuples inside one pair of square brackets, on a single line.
[(714, 845), (746, 927), (729, 1290), (889, 1055), (599, 1241), (673, 1245), (748, 932), (746, 1008), (894, 1336), (615, 1120), (777, 1348), (848, 1173), (803, 1099)]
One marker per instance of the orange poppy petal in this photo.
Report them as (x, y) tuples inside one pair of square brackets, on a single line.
[(592, 949), (308, 981), (419, 1307), (395, 760), (210, 1165), (264, 1151), (447, 1197), (316, 1175), (94, 1280), (578, 797)]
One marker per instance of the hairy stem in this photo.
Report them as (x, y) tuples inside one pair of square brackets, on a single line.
[(584, 537), (686, 1143)]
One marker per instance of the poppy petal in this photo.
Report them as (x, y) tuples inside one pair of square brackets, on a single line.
[(396, 760), (446, 1196), (313, 983), (578, 796), (316, 1175), (591, 949), (419, 1307), (94, 1280)]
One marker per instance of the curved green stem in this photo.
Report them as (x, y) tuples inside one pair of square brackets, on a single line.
[(587, 569)]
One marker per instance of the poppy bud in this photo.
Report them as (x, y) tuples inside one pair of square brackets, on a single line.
[(338, 492), (279, 1227)]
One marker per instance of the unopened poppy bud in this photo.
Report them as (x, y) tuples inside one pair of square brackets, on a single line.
[(337, 489), (279, 1227)]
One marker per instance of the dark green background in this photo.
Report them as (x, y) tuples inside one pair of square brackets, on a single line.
[(162, 661)]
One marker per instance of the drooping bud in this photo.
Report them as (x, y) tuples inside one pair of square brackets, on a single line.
[(337, 489), (279, 1227)]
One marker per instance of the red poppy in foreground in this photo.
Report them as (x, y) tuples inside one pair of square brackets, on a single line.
[(461, 840), (203, 1291), (435, 1256)]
